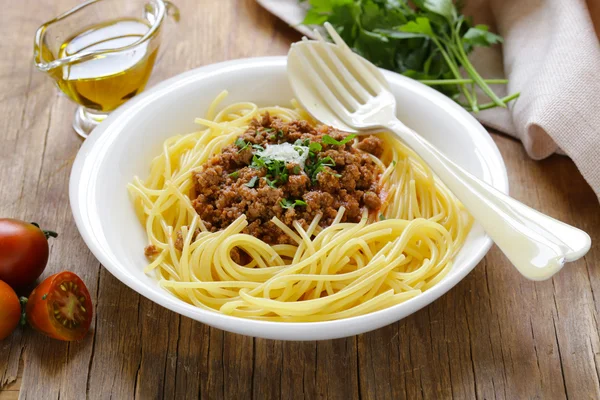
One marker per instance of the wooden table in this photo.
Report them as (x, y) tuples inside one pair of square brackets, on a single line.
[(495, 335)]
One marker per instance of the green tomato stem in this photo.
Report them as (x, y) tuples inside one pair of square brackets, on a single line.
[(48, 234), (23, 300)]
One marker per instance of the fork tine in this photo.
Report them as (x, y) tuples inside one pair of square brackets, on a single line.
[(363, 72), (343, 93), (350, 80), (331, 100)]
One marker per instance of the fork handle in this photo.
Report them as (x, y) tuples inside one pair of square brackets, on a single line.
[(538, 245)]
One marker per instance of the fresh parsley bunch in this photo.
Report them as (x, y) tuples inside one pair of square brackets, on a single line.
[(427, 40)]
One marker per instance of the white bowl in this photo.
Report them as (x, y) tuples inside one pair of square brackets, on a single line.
[(125, 143)]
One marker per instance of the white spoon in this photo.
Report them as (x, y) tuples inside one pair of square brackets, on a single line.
[(343, 90)]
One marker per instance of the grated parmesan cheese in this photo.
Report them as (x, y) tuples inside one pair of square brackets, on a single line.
[(286, 152)]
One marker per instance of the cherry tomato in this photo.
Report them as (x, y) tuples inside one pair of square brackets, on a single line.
[(23, 252), (10, 310), (60, 307)]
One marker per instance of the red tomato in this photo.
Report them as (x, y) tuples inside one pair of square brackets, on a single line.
[(60, 307), (10, 310), (23, 252)]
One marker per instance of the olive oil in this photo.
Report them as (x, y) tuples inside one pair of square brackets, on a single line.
[(106, 82)]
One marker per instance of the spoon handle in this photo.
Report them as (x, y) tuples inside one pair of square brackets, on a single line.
[(538, 245)]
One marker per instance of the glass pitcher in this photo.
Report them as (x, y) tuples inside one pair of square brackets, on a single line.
[(101, 53)]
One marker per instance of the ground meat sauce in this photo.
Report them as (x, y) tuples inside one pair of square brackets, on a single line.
[(235, 182)]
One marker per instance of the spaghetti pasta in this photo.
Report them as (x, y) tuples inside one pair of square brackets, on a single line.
[(338, 271)]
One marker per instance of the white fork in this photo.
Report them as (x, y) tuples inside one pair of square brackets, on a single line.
[(343, 90)]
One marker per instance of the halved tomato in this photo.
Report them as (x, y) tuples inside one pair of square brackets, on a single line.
[(60, 307)]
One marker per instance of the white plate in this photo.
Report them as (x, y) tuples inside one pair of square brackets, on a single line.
[(125, 143)]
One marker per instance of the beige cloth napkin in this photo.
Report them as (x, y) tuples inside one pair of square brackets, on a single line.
[(551, 55)]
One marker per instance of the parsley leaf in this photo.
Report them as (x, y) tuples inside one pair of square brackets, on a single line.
[(315, 147), (270, 183), (302, 142), (277, 173), (252, 182), (329, 140), (445, 8), (257, 162), (479, 36), (314, 167), (241, 144), (287, 203), (419, 26), (427, 40), (381, 217), (235, 174)]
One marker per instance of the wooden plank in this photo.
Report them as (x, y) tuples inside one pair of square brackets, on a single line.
[(11, 390), (337, 373), (298, 380), (9, 395)]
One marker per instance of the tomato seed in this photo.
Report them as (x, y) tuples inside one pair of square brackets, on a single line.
[(64, 289)]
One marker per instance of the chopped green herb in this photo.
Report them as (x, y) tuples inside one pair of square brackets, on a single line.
[(257, 162), (258, 147), (270, 183), (381, 217), (277, 173), (44, 296), (337, 175), (296, 169), (315, 147), (268, 130), (394, 163), (286, 203), (279, 134), (235, 174), (241, 144), (302, 142), (313, 167), (426, 40), (299, 149), (329, 140), (252, 182)]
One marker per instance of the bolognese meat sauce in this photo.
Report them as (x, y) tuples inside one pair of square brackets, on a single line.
[(291, 171)]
